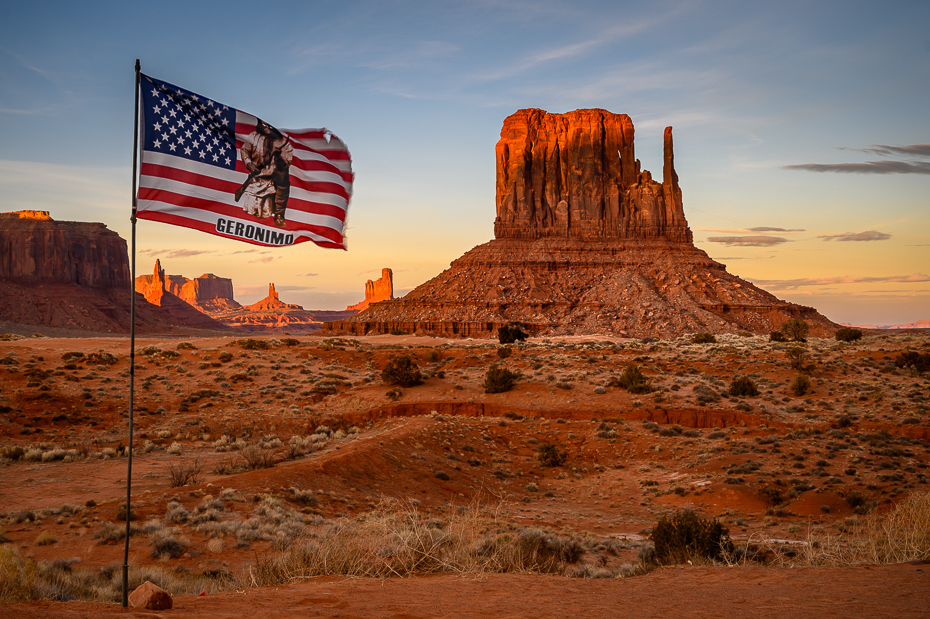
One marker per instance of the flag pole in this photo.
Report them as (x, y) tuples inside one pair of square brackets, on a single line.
[(132, 332)]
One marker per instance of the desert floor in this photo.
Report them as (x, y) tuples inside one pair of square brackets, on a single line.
[(287, 442)]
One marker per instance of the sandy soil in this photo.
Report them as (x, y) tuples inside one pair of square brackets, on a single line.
[(857, 440), (818, 593)]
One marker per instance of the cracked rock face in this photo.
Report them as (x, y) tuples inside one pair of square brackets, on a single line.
[(586, 243)]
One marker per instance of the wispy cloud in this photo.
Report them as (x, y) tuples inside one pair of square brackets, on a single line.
[(869, 167), (914, 152), (176, 253), (310, 274), (868, 235), (748, 241), (264, 259), (761, 229), (788, 284)]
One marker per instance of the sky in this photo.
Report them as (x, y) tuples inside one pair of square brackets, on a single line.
[(802, 132)]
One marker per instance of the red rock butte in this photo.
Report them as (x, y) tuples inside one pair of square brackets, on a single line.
[(376, 290), (586, 243)]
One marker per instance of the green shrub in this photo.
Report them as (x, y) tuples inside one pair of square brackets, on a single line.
[(686, 535), (795, 330), (800, 385), (848, 334), (510, 333), (777, 336), (551, 455), (401, 371), (743, 386), (499, 380), (703, 338), (632, 379)]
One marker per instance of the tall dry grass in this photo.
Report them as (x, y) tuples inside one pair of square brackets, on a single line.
[(404, 542)]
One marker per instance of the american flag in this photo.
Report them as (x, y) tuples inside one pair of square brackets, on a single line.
[(192, 167)]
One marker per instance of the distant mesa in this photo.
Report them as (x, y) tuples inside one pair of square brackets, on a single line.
[(376, 290), (72, 276), (587, 242), (166, 292)]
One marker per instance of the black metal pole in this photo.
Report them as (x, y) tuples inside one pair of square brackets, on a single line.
[(132, 334)]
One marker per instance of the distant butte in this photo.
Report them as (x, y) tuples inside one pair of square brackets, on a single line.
[(587, 242), (376, 290)]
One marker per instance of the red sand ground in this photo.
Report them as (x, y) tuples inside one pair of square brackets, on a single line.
[(862, 430)]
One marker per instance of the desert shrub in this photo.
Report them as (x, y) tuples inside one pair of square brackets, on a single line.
[(800, 385), (771, 495), (186, 346), (796, 357), (167, 547), (185, 473), (902, 534), (251, 344), (402, 371), (12, 452), (743, 386), (777, 336), (499, 380), (686, 536), (101, 358), (503, 352), (290, 341), (703, 338), (225, 356), (848, 334), (632, 379), (433, 356), (911, 358), (551, 455), (257, 458), (45, 538), (795, 330), (72, 356), (511, 332)]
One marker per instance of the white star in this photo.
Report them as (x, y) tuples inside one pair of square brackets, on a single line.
[(202, 154), (187, 133), (173, 113), (180, 139), (172, 147), (210, 103), (210, 147), (155, 92), (215, 158), (227, 161), (157, 126), (157, 109), (187, 151), (157, 144), (173, 130), (180, 122)]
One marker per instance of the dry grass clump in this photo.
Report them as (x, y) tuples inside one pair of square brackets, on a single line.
[(387, 542), (185, 473), (25, 580)]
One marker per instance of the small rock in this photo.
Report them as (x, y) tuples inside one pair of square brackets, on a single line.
[(150, 596)]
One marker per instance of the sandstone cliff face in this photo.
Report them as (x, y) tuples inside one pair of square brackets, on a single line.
[(271, 302), (207, 293), (576, 175), (34, 248), (587, 243), (378, 290)]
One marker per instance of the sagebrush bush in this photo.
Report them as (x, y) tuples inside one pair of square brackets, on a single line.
[(510, 333), (499, 380), (743, 386), (632, 379), (551, 455), (848, 334), (402, 371), (703, 338), (800, 385), (777, 336), (503, 352), (686, 536)]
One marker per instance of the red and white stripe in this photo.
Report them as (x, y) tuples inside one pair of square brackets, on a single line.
[(186, 193)]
